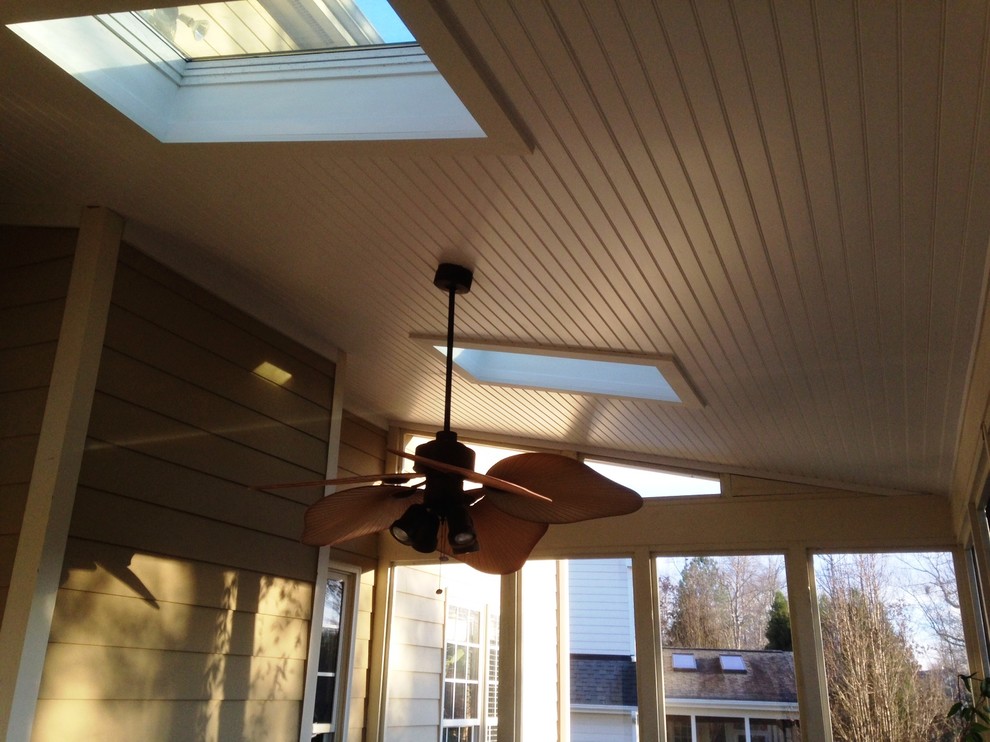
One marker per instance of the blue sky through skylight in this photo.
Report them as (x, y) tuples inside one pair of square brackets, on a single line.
[(388, 25), (559, 373)]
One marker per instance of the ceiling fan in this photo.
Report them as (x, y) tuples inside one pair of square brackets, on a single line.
[(492, 528)]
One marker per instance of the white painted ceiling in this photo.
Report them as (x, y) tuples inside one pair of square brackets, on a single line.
[(792, 198)]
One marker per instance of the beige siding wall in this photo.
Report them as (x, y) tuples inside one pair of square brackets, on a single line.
[(34, 277), (415, 672), (186, 596)]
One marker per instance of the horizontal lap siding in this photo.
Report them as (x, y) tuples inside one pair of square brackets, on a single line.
[(34, 278), (416, 651), (186, 596)]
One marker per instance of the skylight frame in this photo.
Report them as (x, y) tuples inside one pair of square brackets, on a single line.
[(666, 365), (415, 104)]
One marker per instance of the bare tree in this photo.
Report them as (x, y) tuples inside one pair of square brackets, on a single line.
[(876, 690), (722, 601), (933, 585), (752, 582)]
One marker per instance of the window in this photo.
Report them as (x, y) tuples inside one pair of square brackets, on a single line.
[(240, 27), (462, 675), (732, 663), (892, 638), (679, 661), (356, 93), (732, 614), (679, 729), (653, 482), (332, 656), (598, 373), (442, 679), (718, 729)]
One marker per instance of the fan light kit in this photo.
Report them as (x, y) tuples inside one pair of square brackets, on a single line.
[(492, 528)]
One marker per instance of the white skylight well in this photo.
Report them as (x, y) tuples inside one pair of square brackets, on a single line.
[(260, 70), (607, 374)]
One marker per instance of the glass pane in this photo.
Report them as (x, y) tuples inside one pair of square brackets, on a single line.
[(893, 643), (323, 712), (678, 728), (656, 482), (330, 635), (771, 730), (448, 700), (730, 613), (470, 701), (431, 658), (256, 27), (716, 729), (473, 665), (603, 700)]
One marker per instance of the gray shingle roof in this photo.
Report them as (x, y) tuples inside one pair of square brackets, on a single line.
[(769, 676), (610, 680)]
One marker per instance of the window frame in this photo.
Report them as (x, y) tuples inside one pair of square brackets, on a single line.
[(350, 574)]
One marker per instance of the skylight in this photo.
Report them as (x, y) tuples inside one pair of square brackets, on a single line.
[(732, 663), (255, 27), (683, 661), (271, 70), (599, 373)]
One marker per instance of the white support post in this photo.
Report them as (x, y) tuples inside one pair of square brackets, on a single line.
[(510, 690), (51, 493), (806, 636), (320, 587), (649, 676)]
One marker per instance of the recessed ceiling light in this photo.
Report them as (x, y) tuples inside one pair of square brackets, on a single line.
[(273, 373), (599, 373)]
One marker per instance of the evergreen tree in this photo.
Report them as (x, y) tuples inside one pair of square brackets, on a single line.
[(778, 631)]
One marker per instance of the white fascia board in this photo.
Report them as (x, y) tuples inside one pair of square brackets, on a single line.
[(725, 707), (385, 94)]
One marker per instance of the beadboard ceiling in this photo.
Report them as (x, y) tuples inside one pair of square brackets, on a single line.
[(792, 198)]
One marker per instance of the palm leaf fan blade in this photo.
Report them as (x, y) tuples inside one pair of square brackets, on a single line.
[(577, 492), (355, 512), (505, 541)]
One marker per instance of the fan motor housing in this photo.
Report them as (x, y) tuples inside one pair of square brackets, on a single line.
[(446, 449)]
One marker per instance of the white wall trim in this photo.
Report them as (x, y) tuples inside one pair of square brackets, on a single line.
[(51, 494)]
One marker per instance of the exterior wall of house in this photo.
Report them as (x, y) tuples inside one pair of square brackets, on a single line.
[(35, 265), (415, 658), (184, 607), (602, 725), (601, 612)]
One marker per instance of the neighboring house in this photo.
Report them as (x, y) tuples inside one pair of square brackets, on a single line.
[(721, 694), (730, 695)]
